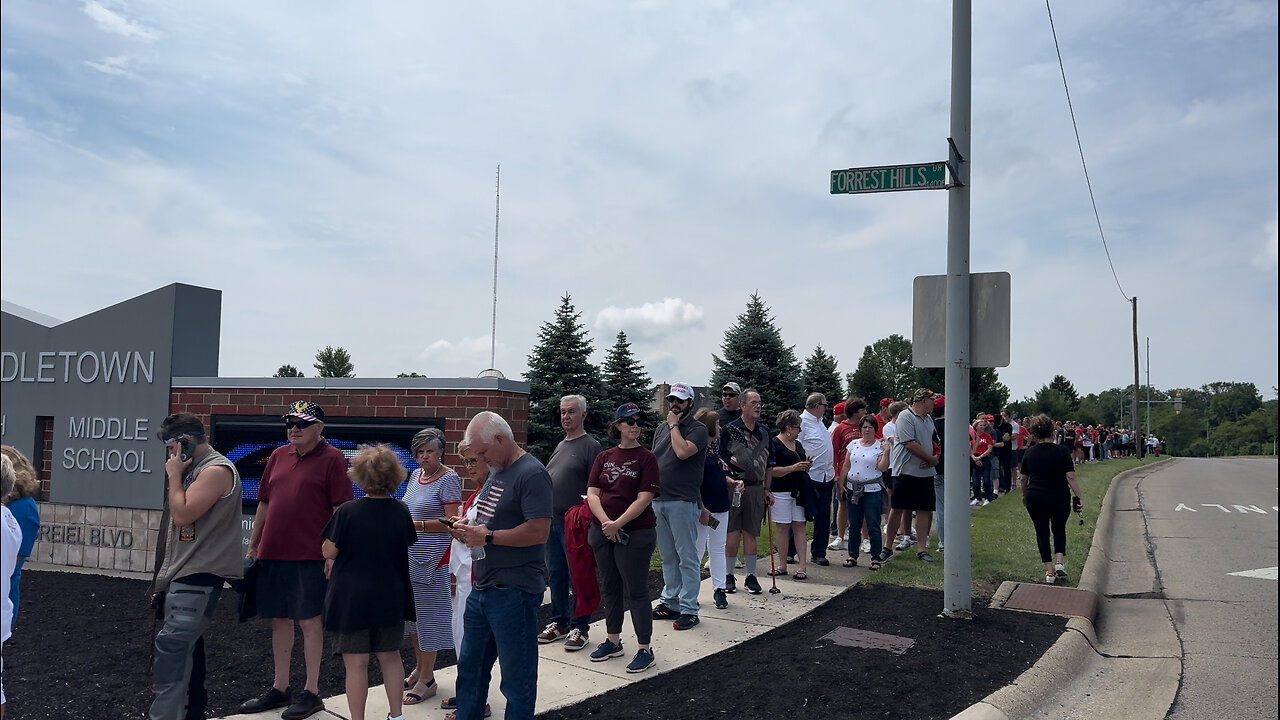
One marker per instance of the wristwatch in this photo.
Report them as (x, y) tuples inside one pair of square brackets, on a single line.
[(488, 538)]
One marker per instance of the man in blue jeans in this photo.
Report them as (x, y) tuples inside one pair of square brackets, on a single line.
[(507, 543), (679, 445), (569, 467)]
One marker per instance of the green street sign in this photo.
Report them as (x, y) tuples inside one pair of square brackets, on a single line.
[(888, 178)]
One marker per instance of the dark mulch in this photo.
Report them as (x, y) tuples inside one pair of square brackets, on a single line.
[(81, 651), (789, 673)]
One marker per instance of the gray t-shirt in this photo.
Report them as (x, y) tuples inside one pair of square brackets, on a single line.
[(519, 493), (680, 479), (907, 427), (569, 467)]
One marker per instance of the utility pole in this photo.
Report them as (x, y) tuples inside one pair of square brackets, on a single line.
[(1148, 388), (1141, 447), (957, 569)]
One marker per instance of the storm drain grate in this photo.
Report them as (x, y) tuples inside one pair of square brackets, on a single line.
[(850, 637), (1053, 600)]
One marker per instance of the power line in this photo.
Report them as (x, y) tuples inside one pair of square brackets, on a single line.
[(1080, 147)]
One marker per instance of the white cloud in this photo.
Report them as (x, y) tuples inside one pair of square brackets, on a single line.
[(652, 319), (1267, 257), (117, 65), (115, 23)]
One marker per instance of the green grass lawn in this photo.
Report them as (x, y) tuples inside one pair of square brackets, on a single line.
[(1002, 540)]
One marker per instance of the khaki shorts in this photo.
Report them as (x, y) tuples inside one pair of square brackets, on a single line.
[(748, 516)]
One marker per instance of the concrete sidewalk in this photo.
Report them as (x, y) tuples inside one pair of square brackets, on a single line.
[(565, 678), (1129, 663)]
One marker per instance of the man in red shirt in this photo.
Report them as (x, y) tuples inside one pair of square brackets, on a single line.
[(302, 484), (842, 434)]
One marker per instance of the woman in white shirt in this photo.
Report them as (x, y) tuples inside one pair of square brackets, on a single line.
[(865, 462)]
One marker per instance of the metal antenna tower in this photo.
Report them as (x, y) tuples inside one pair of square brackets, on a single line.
[(493, 327)]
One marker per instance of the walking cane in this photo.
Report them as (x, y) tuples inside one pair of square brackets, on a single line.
[(773, 568)]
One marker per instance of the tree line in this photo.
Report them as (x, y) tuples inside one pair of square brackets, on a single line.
[(1220, 418)]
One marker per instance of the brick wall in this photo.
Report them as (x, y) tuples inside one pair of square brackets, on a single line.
[(455, 407)]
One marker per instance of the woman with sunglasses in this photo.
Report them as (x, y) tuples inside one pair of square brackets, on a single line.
[(434, 492), (620, 488)]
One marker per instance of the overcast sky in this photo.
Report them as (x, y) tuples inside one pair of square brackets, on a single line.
[(330, 167)]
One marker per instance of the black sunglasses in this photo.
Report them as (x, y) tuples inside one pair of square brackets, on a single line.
[(179, 437), (292, 423), (729, 395), (630, 420)]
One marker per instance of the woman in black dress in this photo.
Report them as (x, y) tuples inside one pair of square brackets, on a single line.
[(786, 491), (1049, 492), (369, 598)]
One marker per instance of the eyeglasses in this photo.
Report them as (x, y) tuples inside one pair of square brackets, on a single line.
[(177, 438), (470, 461), (729, 395), (629, 420), (292, 423)]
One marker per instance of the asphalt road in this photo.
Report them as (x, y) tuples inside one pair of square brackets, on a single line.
[(1207, 521)]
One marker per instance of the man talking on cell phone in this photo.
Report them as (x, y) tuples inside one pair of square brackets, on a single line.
[(200, 550)]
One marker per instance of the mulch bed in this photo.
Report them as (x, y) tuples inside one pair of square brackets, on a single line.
[(81, 651)]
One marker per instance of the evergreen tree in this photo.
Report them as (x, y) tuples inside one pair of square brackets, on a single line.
[(754, 355), (1063, 386), (560, 365), (820, 375), (625, 380), (287, 371), (334, 362)]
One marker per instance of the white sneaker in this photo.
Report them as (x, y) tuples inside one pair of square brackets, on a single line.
[(837, 544), (1049, 578), (974, 502), (865, 546), (940, 546), (986, 503), (902, 543)]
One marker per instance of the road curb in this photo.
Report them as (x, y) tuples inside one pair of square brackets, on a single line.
[(1069, 656)]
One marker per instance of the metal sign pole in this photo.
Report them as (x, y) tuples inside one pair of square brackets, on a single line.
[(957, 573)]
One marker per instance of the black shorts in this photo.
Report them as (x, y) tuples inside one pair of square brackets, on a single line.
[(913, 493), (291, 589), (372, 640)]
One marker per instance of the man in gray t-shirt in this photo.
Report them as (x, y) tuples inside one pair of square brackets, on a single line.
[(512, 523), (680, 445), (913, 461), (569, 467)]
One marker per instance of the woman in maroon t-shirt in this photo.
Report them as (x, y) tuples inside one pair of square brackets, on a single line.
[(620, 488)]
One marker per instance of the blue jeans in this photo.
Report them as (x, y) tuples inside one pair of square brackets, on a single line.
[(561, 581), (818, 507), (938, 504), (868, 508), (499, 624), (981, 483), (187, 612), (678, 545)]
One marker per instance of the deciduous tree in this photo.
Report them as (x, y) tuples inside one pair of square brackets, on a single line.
[(334, 362)]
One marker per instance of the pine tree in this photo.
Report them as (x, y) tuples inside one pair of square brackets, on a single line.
[(287, 371), (1067, 390), (625, 380), (755, 356), (820, 376), (560, 365), (334, 362)]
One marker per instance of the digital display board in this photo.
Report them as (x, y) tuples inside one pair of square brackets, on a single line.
[(249, 440)]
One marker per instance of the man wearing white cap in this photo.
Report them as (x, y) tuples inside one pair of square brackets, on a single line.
[(679, 445)]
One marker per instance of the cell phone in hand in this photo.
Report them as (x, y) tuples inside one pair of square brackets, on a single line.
[(712, 522), (450, 521), (623, 537)]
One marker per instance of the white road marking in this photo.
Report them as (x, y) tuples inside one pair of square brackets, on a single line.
[(1269, 573)]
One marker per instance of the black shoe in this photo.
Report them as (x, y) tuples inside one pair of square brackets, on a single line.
[(721, 601), (662, 612), (305, 704), (791, 559), (269, 700), (752, 585), (730, 584), (821, 561), (885, 553), (685, 622)]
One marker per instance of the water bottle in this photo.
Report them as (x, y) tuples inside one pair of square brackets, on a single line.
[(477, 553), (737, 497)]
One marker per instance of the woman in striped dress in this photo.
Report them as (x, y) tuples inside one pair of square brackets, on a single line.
[(434, 492)]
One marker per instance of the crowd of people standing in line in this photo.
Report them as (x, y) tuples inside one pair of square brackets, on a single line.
[(470, 574)]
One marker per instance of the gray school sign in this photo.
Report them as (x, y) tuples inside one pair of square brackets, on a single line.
[(101, 383)]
